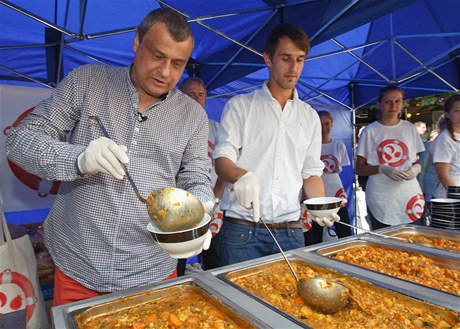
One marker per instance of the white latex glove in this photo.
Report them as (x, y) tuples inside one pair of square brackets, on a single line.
[(209, 206), (392, 173), (103, 155), (413, 171), (206, 242), (325, 221), (247, 191)]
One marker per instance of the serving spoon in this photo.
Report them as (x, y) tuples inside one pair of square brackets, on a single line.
[(170, 209), (375, 233), (323, 295)]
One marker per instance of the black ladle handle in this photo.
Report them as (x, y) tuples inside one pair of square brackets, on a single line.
[(106, 134)]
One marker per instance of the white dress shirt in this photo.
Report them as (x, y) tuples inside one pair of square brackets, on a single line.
[(282, 147)]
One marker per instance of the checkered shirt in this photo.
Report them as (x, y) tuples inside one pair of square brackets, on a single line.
[(96, 230)]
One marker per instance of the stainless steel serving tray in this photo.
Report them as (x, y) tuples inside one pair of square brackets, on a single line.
[(424, 231), (226, 274), (448, 262), (157, 295), (64, 316)]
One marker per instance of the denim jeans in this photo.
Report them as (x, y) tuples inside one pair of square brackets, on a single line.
[(238, 243)]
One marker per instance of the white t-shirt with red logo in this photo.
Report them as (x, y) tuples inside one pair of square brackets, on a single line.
[(392, 202), (447, 151), (334, 156)]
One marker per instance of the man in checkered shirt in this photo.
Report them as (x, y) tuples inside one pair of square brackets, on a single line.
[(96, 230)]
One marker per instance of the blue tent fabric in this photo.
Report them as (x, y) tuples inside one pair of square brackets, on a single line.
[(230, 35)]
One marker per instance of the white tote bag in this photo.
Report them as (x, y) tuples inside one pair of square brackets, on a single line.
[(19, 285)]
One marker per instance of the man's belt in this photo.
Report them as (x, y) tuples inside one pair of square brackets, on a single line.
[(293, 224)]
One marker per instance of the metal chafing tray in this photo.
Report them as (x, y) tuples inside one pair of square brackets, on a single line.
[(448, 262), (65, 316), (241, 270), (426, 232)]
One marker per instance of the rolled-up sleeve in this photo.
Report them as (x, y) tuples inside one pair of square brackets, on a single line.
[(230, 132), (313, 166)]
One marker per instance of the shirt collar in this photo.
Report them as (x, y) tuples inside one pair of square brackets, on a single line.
[(295, 95)]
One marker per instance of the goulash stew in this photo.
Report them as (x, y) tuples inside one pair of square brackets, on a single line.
[(370, 306), (403, 264), (182, 309), (440, 243)]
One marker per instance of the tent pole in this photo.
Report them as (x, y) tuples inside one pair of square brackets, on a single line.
[(351, 87)]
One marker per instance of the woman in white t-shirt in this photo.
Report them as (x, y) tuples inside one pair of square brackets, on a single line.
[(334, 156), (388, 153), (446, 155)]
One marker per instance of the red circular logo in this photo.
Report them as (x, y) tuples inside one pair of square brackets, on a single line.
[(415, 207), (341, 193), (392, 152), (331, 164), (43, 186), (16, 293)]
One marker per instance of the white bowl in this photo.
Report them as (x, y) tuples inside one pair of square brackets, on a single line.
[(323, 203), (323, 207), (323, 213), (181, 244)]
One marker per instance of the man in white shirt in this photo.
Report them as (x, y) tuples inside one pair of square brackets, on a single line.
[(195, 88), (268, 153)]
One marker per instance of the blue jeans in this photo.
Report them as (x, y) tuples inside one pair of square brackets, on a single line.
[(238, 243)]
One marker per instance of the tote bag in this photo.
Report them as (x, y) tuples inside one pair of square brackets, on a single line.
[(19, 285)]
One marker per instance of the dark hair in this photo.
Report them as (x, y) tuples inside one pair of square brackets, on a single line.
[(448, 105), (325, 114), (192, 79), (177, 25), (383, 91), (291, 31)]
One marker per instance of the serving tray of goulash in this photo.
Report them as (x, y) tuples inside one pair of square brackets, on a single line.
[(370, 306), (445, 242), (183, 305), (406, 263)]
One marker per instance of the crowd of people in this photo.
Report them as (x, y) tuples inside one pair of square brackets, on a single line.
[(270, 152)]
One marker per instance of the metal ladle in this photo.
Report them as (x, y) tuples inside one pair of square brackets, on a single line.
[(170, 209), (377, 234), (323, 295)]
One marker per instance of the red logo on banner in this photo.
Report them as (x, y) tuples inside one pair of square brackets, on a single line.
[(16, 292), (415, 207), (331, 164), (43, 186), (392, 152)]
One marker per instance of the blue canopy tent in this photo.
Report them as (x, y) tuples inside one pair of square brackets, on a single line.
[(358, 45)]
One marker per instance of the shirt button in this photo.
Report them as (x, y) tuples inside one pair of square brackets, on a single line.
[(136, 129), (134, 142), (134, 105)]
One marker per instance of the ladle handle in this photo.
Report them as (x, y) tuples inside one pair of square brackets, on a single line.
[(374, 233), (281, 250), (130, 179)]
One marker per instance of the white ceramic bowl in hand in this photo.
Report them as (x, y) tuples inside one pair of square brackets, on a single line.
[(182, 244), (323, 207)]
